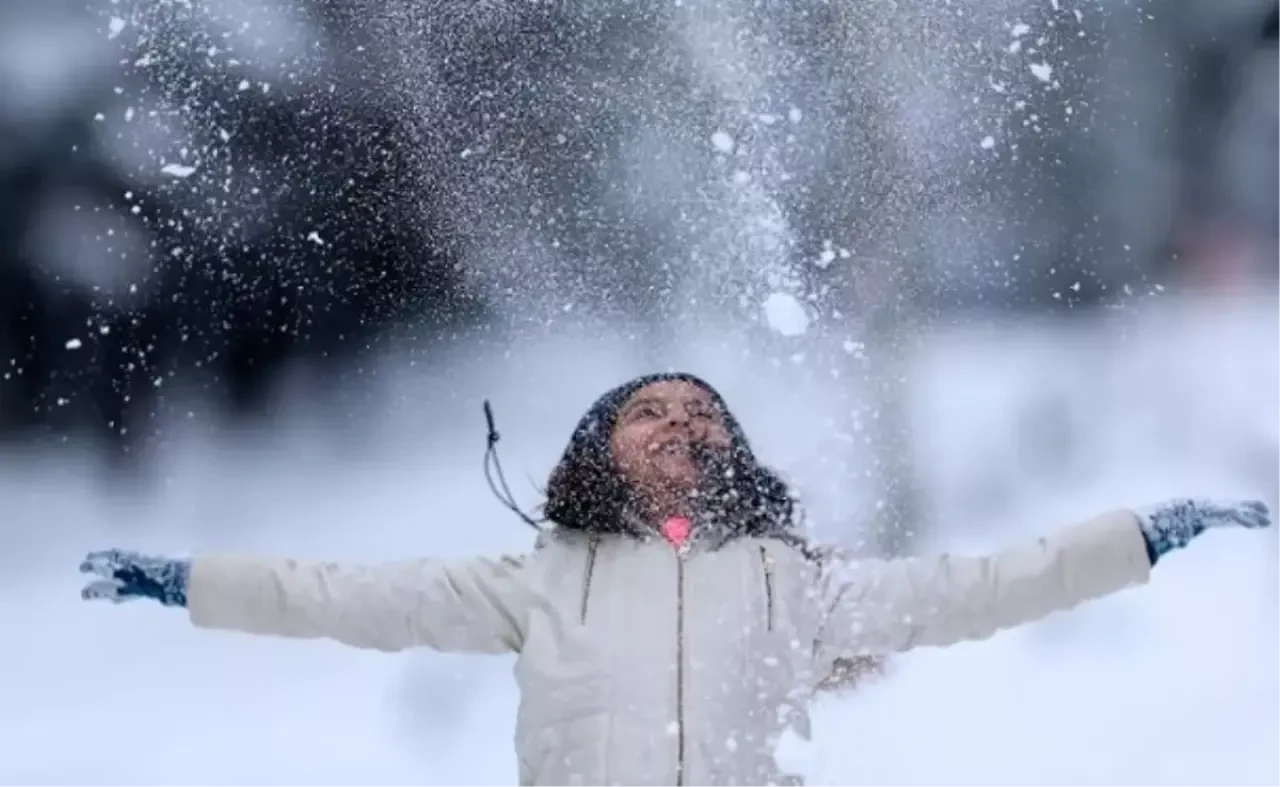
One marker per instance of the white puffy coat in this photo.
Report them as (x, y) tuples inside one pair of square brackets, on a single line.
[(638, 664)]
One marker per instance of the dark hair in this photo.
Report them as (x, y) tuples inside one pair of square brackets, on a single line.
[(587, 493)]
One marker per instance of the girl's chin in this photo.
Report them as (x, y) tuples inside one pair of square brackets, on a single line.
[(677, 468)]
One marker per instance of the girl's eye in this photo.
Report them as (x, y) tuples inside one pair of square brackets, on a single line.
[(647, 411)]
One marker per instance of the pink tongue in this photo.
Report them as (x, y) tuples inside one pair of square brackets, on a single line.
[(676, 530)]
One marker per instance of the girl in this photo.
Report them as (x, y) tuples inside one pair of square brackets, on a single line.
[(672, 622)]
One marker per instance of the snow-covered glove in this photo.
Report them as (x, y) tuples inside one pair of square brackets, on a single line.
[(126, 576), (1172, 524)]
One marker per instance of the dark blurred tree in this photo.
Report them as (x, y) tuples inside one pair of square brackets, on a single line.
[(301, 235)]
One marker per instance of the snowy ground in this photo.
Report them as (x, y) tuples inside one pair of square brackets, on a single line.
[(1172, 684)]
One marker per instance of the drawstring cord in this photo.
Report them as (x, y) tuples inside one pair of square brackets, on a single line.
[(493, 470)]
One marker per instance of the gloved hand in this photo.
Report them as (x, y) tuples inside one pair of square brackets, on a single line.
[(128, 575), (1172, 524)]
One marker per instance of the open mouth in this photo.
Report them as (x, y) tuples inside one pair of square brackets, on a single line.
[(672, 446), (675, 445), (687, 448)]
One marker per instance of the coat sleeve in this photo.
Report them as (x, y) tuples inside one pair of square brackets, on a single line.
[(469, 605), (878, 606)]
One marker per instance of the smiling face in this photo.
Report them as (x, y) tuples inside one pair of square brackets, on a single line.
[(656, 437)]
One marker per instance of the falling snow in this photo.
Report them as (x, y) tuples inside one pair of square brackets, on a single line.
[(178, 170)]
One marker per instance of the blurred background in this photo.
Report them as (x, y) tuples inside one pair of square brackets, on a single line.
[(968, 272)]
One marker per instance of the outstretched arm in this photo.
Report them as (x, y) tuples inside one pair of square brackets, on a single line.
[(468, 605), (878, 606)]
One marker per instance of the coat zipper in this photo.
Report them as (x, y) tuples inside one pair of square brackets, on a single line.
[(592, 545), (767, 565), (680, 740)]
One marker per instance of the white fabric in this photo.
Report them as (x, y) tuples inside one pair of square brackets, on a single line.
[(640, 665)]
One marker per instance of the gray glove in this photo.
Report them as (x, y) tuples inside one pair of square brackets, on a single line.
[(1172, 524), (126, 576)]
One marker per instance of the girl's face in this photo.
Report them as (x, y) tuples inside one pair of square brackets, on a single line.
[(655, 435)]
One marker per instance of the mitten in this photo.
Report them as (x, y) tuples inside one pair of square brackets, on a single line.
[(1172, 524), (126, 576)]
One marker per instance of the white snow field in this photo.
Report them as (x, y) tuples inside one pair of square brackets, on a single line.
[(1175, 683)]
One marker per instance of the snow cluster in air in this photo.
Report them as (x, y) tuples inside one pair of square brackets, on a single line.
[(785, 314), (177, 170)]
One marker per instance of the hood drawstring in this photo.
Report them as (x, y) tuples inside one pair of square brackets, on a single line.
[(493, 469)]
